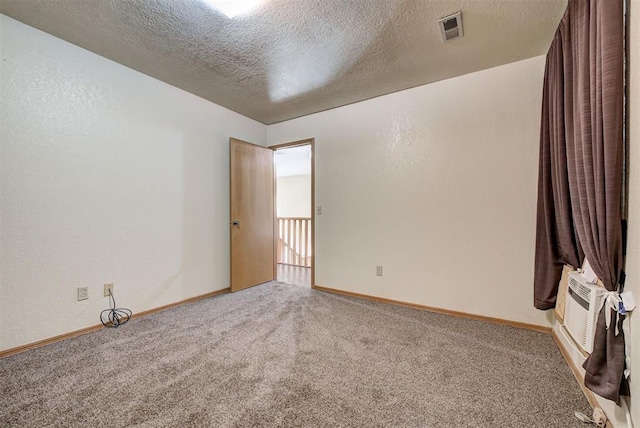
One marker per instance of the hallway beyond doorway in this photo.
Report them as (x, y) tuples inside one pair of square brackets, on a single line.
[(294, 275)]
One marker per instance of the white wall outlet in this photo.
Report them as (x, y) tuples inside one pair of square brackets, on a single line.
[(318, 210), (108, 288), (379, 270), (83, 293)]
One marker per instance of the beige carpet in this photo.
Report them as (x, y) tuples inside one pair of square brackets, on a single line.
[(283, 355)]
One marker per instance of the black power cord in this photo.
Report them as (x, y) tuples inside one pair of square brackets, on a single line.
[(115, 317)]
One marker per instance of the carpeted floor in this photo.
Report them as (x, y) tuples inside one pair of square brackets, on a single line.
[(283, 355)]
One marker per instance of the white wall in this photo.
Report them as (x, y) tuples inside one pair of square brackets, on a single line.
[(438, 184), (107, 175), (633, 249), (294, 196)]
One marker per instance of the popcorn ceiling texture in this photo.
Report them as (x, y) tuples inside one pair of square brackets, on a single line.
[(292, 58)]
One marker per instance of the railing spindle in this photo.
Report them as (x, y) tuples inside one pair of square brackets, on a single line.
[(302, 242), (294, 241)]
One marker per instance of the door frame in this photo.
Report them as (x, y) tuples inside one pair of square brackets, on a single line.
[(306, 142)]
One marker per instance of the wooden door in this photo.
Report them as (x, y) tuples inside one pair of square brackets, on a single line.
[(252, 214)]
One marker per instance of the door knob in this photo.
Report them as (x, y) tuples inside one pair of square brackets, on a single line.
[(236, 222)]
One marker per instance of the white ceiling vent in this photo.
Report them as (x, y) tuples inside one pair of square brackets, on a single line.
[(451, 27)]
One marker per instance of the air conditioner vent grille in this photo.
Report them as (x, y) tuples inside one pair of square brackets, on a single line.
[(451, 27), (581, 310), (582, 291), (450, 24)]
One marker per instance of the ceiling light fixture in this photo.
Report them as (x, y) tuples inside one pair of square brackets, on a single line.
[(233, 8)]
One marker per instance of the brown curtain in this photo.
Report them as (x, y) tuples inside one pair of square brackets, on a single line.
[(581, 161), (556, 243)]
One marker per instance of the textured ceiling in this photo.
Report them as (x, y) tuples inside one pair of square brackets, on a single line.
[(290, 58)]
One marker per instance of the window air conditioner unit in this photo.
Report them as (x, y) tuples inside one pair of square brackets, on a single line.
[(581, 310)]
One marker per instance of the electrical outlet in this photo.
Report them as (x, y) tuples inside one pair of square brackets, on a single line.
[(318, 210), (108, 288), (379, 270), (83, 293)]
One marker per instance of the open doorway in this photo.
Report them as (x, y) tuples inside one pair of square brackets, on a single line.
[(294, 234)]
